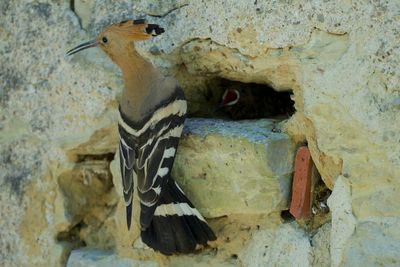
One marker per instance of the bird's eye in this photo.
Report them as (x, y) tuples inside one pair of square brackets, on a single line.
[(105, 40)]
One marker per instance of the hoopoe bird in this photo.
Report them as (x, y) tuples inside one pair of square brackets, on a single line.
[(254, 102), (152, 112)]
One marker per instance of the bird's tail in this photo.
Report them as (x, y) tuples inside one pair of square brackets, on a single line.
[(177, 226)]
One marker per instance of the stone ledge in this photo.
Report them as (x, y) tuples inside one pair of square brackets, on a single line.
[(103, 258), (287, 245), (229, 167)]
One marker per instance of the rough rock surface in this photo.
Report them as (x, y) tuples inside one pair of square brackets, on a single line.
[(245, 166), (340, 59), (99, 258), (383, 246), (321, 246), (370, 242), (286, 246), (343, 221)]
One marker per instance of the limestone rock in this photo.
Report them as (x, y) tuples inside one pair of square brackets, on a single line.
[(321, 246), (340, 59), (382, 248), (45, 111), (231, 167), (99, 258), (343, 221), (285, 246), (367, 242)]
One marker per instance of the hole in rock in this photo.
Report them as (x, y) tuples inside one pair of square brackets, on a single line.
[(239, 101), (95, 157), (72, 5), (72, 235), (286, 216)]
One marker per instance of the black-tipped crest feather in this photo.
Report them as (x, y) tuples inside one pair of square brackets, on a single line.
[(154, 29)]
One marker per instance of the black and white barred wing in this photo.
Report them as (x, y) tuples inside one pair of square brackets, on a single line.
[(169, 221), (153, 144), (156, 156), (127, 165)]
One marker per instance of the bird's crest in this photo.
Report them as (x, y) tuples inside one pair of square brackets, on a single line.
[(137, 29), (126, 31)]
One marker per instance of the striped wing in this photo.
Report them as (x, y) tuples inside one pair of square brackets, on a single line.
[(156, 157), (127, 164), (156, 143)]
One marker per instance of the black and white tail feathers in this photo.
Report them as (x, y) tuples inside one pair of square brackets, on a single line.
[(169, 222), (177, 226)]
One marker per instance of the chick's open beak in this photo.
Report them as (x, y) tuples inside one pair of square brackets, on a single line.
[(81, 47)]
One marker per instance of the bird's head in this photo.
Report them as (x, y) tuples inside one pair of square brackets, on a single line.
[(114, 39), (229, 98)]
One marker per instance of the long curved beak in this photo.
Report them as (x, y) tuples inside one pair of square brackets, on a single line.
[(81, 47)]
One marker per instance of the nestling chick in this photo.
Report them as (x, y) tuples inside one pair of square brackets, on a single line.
[(255, 101), (152, 112)]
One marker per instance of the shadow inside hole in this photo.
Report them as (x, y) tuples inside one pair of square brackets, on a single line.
[(286, 216), (254, 101)]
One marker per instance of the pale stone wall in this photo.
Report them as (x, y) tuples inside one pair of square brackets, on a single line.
[(58, 130)]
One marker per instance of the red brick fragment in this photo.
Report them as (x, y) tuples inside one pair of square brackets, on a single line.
[(300, 206)]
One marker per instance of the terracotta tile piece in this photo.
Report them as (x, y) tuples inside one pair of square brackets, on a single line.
[(300, 206)]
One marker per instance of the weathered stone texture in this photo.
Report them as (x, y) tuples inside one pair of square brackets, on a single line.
[(245, 166), (99, 258), (321, 246), (286, 246), (341, 59)]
